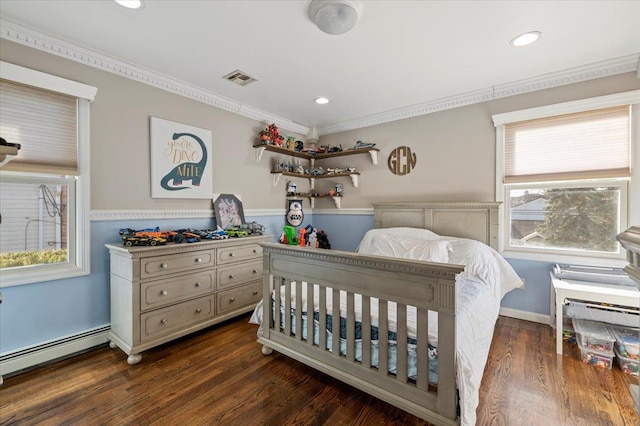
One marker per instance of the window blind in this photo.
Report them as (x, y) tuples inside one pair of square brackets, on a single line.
[(45, 124), (586, 145)]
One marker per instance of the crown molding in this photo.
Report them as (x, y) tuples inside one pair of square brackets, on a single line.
[(17, 33), (621, 65)]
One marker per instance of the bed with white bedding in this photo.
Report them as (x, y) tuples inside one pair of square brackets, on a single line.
[(406, 292)]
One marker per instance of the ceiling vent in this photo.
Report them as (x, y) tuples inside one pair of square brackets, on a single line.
[(239, 77)]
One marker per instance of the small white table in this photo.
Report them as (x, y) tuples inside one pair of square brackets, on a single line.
[(590, 292)]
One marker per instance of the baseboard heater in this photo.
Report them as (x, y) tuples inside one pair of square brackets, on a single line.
[(49, 351)]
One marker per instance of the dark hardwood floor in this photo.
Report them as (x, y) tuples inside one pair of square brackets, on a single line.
[(219, 376)]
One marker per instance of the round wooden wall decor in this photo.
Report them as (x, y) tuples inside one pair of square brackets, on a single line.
[(401, 161)]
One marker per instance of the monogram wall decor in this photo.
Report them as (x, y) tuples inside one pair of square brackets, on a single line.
[(401, 161)]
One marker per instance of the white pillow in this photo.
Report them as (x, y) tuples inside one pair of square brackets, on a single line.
[(400, 232), (393, 246)]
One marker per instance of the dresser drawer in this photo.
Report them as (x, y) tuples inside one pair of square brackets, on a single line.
[(247, 295), (159, 293), (165, 265), (230, 276), (158, 323), (236, 254)]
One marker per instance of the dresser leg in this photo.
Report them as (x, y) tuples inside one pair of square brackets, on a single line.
[(133, 359), (112, 345), (266, 350)]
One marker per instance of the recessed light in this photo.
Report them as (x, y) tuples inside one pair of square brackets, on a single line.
[(526, 38), (322, 101), (130, 4)]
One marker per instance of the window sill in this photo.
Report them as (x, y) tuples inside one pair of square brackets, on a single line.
[(564, 258), (19, 276)]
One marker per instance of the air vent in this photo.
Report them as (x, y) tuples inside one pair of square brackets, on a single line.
[(239, 77)]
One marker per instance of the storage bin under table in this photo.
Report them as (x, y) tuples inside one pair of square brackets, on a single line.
[(592, 292)]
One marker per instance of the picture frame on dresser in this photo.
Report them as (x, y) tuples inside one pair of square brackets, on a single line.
[(228, 210)]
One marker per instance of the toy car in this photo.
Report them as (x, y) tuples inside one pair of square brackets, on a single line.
[(237, 232), (133, 240), (188, 235), (253, 228)]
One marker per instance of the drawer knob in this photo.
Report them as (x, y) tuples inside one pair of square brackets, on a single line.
[(164, 321), (255, 272), (230, 277), (255, 293), (255, 250), (198, 284), (198, 310), (164, 292), (231, 254), (198, 260), (164, 266), (233, 299)]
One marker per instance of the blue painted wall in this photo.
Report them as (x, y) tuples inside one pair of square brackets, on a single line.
[(346, 231), (37, 313)]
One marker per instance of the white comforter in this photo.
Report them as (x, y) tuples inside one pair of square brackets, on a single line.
[(485, 280)]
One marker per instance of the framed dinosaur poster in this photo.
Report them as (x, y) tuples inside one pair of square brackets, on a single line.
[(181, 165)]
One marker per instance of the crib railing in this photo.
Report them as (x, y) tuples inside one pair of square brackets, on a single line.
[(296, 279)]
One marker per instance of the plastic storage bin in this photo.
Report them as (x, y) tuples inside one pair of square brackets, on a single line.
[(594, 336), (627, 341), (594, 357), (627, 365)]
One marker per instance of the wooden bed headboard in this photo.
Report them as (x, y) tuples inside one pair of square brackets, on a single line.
[(473, 220)]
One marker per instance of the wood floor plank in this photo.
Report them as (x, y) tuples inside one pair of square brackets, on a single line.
[(220, 377)]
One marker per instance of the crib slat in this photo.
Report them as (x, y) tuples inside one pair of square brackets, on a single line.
[(335, 325), (310, 305), (351, 327), (287, 308), (298, 314), (267, 311), (322, 323), (366, 331), (383, 338), (401, 344), (276, 304), (422, 379)]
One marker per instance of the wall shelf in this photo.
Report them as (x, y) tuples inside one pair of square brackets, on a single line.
[(276, 175)]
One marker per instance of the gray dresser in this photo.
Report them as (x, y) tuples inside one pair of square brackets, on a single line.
[(165, 292)]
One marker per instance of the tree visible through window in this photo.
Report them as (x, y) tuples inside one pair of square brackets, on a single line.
[(566, 218)]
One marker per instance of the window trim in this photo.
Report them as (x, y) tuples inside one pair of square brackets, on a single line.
[(81, 238), (632, 194)]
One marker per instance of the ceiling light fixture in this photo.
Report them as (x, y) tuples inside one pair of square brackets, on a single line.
[(321, 101), (130, 4), (526, 39), (335, 16)]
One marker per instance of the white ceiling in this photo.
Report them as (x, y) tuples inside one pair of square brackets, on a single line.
[(401, 58)]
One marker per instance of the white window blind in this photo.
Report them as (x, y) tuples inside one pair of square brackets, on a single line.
[(586, 145), (44, 123)]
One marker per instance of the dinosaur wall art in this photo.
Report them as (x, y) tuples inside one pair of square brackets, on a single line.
[(180, 160)]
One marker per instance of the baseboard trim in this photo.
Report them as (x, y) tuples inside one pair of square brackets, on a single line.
[(525, 315), (52, 350)]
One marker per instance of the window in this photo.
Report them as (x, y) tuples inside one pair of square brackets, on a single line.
[(568, 178), (44, 190)]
